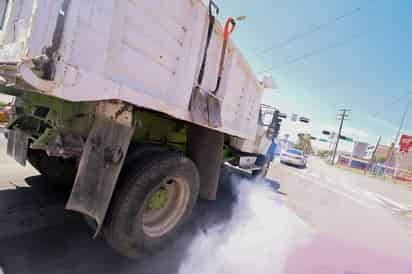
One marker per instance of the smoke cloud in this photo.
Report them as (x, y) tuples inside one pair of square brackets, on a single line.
[(257, 239)]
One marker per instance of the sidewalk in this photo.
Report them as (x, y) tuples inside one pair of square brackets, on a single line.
[(388, 179), (389, 191)]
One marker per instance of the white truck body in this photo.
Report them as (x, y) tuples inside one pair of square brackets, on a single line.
[(106, 87), (145, 52)]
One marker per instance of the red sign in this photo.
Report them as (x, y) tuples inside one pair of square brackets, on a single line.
[(405, 143)]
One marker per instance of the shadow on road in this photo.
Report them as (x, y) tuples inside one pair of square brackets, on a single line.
[(38, 236), (275, 186)]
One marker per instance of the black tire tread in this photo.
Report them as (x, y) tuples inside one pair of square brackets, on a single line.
[(134, 185)]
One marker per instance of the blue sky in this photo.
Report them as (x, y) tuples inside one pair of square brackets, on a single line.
[(365, 75)]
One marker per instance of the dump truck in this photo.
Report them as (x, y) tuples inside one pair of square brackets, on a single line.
[(136, 106)]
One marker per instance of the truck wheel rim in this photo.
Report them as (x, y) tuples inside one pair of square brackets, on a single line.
[(165, 206)]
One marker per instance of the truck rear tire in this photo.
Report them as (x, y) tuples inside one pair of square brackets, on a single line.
[(152, 203), (59, 171)]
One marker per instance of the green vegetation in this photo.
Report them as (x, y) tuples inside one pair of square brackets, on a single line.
[(299, 146), (381, 159), (304, 143), (324, 154)]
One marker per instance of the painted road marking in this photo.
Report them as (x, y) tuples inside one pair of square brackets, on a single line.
[(363, 197), (392, 203), (315, 175), (336, 191)]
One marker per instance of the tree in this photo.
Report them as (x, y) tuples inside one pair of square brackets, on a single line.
[(304, 143), (324, 153), (299, 146), (381, 159)]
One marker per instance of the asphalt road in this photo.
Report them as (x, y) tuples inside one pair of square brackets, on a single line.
[(315, 220), (38, 236), (362, 217)]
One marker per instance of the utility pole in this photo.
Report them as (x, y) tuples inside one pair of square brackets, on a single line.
[(372, 159), (392, 149), (343, 115), (331, 144)]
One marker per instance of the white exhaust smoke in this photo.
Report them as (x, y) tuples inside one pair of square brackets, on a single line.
[(257, 239)]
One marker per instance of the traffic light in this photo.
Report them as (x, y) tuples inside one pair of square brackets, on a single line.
[(348, 139), (283, 115), (276, 122), (304, 120), (325, 132), (274, 128)]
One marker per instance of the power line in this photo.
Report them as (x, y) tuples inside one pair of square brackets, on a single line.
[(312, 30), (315, 52), (397, 100)]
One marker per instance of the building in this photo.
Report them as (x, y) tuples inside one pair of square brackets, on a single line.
[(360, 149), (404, 161)]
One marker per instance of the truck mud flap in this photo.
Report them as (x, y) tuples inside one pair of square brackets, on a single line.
[(205, 148), (101, 161), (17, 145)]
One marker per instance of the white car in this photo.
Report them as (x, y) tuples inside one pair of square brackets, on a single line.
[(294, 157)]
